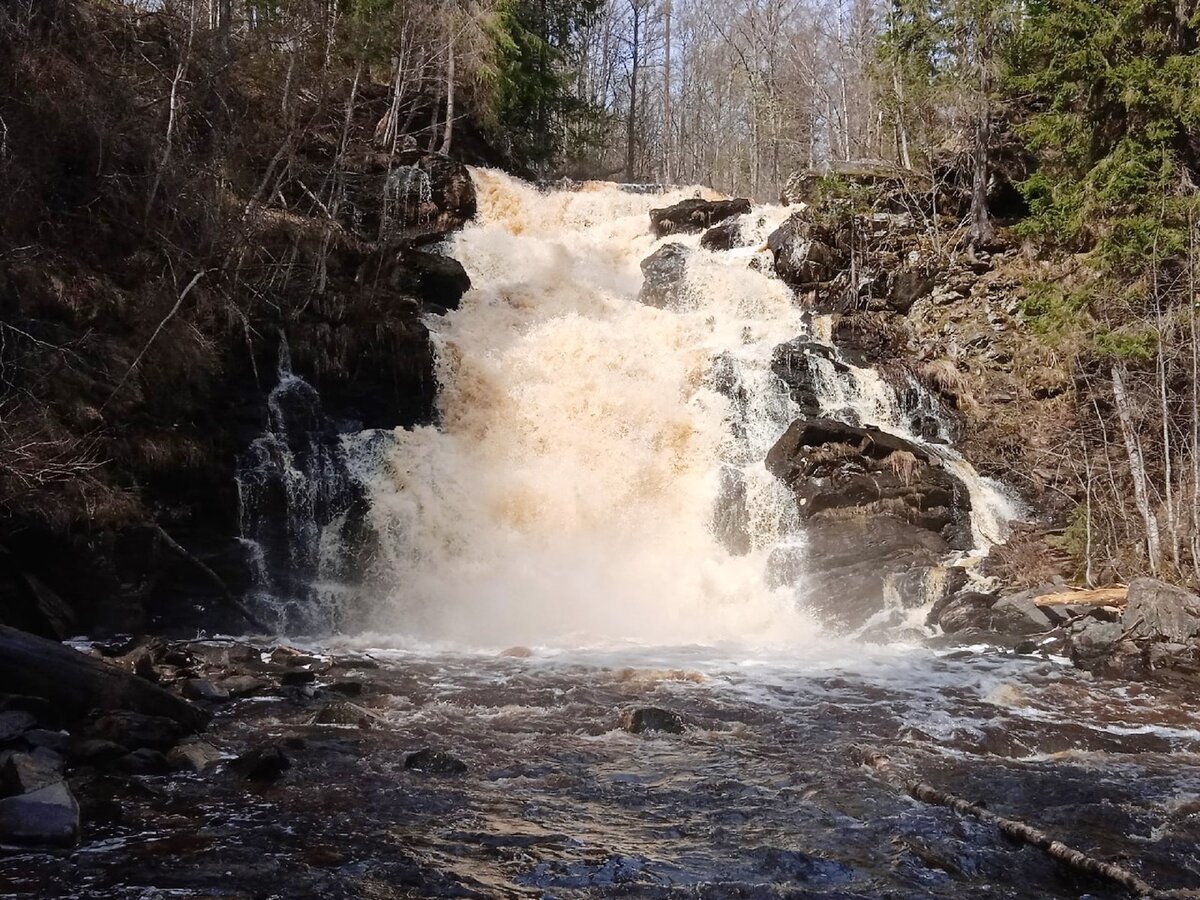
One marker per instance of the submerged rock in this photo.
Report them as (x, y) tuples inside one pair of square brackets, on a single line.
[(342, 713), (135, 730), (261, 764), (694, 215), (651, 719), (194, 756), (48, 815), (435, 762)]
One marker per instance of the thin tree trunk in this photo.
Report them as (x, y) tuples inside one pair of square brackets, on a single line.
[(631, 122), (1137, 470), (448, 134)]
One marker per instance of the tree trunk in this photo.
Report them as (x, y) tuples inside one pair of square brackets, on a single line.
[(448, 134), (1137, 470), (631, 122), (667, 93)]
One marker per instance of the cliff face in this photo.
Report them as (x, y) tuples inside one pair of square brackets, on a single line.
[(166, 225)]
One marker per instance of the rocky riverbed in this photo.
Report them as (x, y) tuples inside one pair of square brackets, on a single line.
[(415, 773)]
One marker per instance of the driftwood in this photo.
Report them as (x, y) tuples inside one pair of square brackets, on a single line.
[(77, 683), (1109, 596), (218, 582), (1019, 831)]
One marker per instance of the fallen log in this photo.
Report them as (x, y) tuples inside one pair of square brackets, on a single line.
[(1019, 831), (77, 683), (1109, 596)]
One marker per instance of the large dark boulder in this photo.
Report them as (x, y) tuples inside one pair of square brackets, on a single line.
[(438, 281), (664, 273), (834, 466), (725, 236), (807, 253), (879, 511), (694, 215)]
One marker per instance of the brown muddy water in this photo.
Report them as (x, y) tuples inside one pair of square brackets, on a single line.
[(757, 799)]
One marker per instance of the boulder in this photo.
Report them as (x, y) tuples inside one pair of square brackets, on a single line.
[(877, 176), (134, 731), (434, 762), (96, 752), (963, 611), (1156, 611), (297, 678), (239, 686), (346, 714), (261, 764), (725, 236), (23, 773), (15, 723), (694, 215), (143, 762), (834, 466), (805, 253), (1019, 615), (205, 690), (438, 281), (48, 815), (664, 276), (194, 756), (650, 719)]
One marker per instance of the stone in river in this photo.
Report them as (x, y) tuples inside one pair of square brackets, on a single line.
[(435, 762), (652, 719), (49, 815)]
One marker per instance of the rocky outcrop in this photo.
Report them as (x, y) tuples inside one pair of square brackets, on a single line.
[(877, 508), (694, 215), (664, 272), (804, 366)]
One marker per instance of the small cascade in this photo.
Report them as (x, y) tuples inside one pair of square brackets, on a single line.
[(297, 498)]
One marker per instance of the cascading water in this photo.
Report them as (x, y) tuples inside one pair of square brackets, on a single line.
[(296, 493), (585, 440)]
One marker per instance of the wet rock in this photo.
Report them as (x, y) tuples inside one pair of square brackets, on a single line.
[(1156, 611), (240, 686), (261, 764), (731, 515), (725, 236), (664, 272), (805, 367), (38, 707), (205, 690), (56, 741), (870, 337), (48, 815), (965, 610), (517, 652), (15, 723), (347, 688), (1019, 615), (651, 719), (435, 762), (194, 756), (832, 466), (805, 253), (438, 281), (143, 762), (297, 678), (345, 714), (135, 730), (96, 752), (694, 215), (23, 773)]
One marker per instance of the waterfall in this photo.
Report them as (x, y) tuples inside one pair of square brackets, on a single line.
[(297, 493), (597, 471)]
